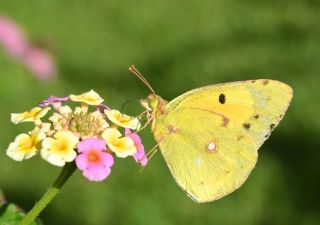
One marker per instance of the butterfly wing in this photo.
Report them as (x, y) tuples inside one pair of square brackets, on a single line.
[(209, 136)]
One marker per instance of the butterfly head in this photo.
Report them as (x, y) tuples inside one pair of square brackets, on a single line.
[(153, 103)]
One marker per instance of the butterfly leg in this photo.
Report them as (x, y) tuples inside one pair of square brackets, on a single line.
[(150, 154), (150, 119), (141, 114)]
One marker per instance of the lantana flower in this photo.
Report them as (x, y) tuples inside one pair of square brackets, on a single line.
[(29, 116), (122, 120), (90, 98), (64, 110), (89, 135), (121, 146), (93, 160), (60, 149), (140, 155), (45, 127), (26, 145)]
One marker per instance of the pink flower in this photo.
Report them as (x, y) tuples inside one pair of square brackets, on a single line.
[(93, 160), (140, 155), (40, 63), (55, 101), (12, 38), (102, 107)]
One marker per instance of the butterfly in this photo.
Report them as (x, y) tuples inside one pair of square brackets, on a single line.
[(210, 136)]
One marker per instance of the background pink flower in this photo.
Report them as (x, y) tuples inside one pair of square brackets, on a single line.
[(12, 38), (14, 41), (93, 160), (40, 63)]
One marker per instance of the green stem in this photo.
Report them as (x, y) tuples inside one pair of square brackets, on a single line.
[(66, 172)]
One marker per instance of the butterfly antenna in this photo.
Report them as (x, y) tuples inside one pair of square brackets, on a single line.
[(136, 72)]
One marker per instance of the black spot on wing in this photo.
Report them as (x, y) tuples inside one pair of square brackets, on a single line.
[(246, 125), (272, 126), (265, 82), (222, 98), (256, 116)]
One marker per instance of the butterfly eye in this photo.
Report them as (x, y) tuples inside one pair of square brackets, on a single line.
[(153, 103)]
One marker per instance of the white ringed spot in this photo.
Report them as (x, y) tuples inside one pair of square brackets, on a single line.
[(211, 147)]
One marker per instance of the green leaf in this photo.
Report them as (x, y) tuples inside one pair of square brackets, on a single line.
[(11, 214)]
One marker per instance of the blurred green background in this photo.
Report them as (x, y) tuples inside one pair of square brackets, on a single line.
[(178, 45)]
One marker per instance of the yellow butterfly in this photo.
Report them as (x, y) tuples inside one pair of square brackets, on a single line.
[(210, 136)]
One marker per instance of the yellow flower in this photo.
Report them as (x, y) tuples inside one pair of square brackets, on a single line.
[(33, 115), (64, 110), (57, 121), (121, 146), (60, 149), (25, 145), (45, 127), (80, 110), (122, 120), (90, 98)]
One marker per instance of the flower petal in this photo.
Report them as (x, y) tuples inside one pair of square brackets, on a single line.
[(90, 98), (140, 155), (55, 160), (90, 143), (29, 116), (97, 174), (25, 145), (60, 149), (121, 146), (82, 162), (107, 159), (52, 100), (122, 120)]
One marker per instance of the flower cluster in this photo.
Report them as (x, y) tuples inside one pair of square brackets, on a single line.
[(90, 137)]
